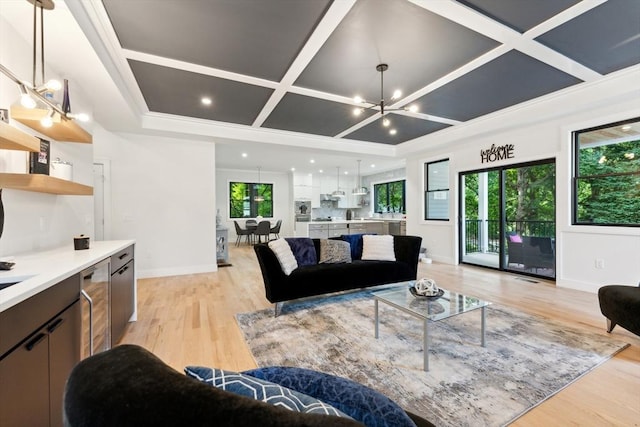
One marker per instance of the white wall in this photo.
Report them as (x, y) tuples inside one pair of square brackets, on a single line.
[(282, 194), (163, 196), (541, 130)]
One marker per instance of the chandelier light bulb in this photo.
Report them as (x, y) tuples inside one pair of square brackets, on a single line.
[(396, 94), (27, 101), (47, 121), (386, 122), (53, 84)]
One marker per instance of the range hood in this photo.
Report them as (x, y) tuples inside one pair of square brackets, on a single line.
[(328, 197)]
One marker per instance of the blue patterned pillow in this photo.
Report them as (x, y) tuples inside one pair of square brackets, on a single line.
[(303, 250), (259, 389), (371, 408)]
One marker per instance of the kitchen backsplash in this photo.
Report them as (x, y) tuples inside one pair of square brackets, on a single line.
[(325, 212)]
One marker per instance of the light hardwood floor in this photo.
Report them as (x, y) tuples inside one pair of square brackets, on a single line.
[(189, 320)]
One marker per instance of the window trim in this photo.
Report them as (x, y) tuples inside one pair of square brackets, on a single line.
[(575, 177), (425, 196), (252, 204), (386, 183)]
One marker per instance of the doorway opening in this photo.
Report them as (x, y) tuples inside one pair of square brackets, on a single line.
[(507, 218)]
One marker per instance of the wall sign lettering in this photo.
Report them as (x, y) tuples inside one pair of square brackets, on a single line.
[(497, 153)]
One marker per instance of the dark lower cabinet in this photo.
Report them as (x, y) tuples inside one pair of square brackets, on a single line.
[(33, 374), (122, 292)]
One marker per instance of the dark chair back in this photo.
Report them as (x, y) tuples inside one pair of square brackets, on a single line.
[(264, 228), (276, 228)]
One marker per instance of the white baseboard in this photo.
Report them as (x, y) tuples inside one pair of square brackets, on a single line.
[(579, 286)]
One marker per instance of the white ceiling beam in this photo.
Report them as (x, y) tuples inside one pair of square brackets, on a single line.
[(330, 21)]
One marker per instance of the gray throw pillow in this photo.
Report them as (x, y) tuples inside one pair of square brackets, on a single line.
[(334, 251)]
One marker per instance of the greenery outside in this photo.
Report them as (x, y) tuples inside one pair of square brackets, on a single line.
[(389, 197), (242, 203)]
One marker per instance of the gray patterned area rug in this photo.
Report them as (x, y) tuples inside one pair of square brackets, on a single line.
[(527, 358)]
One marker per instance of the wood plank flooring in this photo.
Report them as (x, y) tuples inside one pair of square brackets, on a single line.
[(189, 320)]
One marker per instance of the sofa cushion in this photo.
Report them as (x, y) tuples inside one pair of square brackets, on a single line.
[(259, 389), (334, 251), (379, 248), (303, 250), (355, 240), (356, 400), (283, 252)]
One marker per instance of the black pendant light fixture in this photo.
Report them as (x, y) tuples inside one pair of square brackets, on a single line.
[(382, 105), (359, 189)]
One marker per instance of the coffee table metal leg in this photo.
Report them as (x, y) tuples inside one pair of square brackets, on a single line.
[(425, 345), (375, 302), (484, 322)]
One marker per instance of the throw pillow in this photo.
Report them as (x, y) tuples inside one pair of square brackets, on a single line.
[(354, 399), (303, 250), (266, 391), (334, 251), (282, 250), (379, 248), (515, 238), (355, 240)]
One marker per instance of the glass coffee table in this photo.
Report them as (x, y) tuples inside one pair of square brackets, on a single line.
[(429, 309)]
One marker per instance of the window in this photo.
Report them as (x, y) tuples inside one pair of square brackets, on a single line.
[(242, 203), (389, 197), (436, 195), (606, 180)]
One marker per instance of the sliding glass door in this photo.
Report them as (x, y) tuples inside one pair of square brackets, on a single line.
[(507, 218)]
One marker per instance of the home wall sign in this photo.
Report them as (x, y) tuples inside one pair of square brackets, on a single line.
[(494, 153)]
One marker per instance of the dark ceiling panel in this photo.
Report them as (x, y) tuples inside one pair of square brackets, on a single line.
[(606, 38), (256, 38), (508, 80), (300, 113), (419, 47), (521, 15), (408, 128), (172, 91)]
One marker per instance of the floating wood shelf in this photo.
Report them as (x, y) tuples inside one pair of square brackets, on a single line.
[(63, 129), (15, 139), (43, 184)]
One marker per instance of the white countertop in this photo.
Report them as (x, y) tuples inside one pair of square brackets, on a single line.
[(386, 219), (41, 270), (344, 221)]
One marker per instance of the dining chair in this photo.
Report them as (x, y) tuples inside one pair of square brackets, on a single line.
[(242, 232), (264, 229), (275, 230)]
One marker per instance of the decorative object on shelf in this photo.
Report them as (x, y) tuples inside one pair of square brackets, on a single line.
[(61, 169), (338, 192), (32, 94), (66, 103), (218, 218), (382, 106), (39, 162), (4, 115), (258, 197), (359, 190), (426, 287)]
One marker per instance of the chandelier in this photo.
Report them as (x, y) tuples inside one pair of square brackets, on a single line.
[(31, 94), (338, 193), (382, 105), (258, 197)]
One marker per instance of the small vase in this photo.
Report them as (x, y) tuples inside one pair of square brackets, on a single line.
[(1, 214)]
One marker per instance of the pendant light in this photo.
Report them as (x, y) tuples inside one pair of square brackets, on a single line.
[(258, 197), (338, 193), (359, 190)]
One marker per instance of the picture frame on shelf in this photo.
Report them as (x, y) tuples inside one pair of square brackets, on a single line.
[(39, 163)]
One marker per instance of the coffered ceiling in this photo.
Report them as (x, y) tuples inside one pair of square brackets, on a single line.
[(296, 65)]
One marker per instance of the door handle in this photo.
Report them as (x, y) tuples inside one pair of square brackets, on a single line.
[(56, 323), (34, 342), (90, 301), (124, 255), (123, 269)]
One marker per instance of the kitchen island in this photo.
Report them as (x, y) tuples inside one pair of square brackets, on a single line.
[(336, 228)]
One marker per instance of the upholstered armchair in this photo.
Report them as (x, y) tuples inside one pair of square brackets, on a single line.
[(620, 304)]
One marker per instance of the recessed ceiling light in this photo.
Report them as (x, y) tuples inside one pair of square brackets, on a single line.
[(293, 169), (373, 165), (386, 122), (346, 172), (244, 154), (393, 131), (626, 127), (206, 100), (312, 161), (321, 171), (413, 108)]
